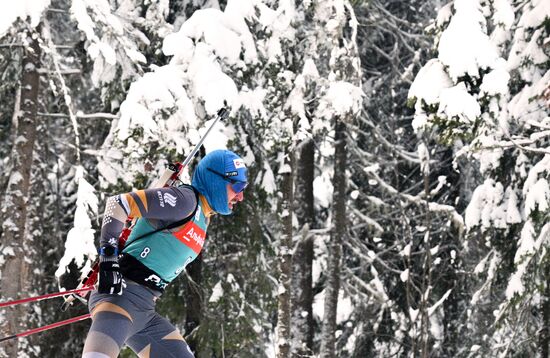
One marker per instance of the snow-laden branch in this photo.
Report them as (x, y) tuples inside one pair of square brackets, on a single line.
[(68, 71), (79, 245), (520, 144), (450, 211), (368, 220), (432, 309), (22, 9), (408, 156), (66, 95), (78, 115), (381, 297), (371, 257)]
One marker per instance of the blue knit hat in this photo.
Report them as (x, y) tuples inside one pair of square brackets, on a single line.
[(217, 169)]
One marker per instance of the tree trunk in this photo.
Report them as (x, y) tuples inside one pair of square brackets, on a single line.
[(427, 267), (338, 232), (193, 303), (302, 290), (544, 333), (16, 243), (285, 261)]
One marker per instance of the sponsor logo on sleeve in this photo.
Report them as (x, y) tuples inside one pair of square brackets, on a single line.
[(170, 199), (161, 200)]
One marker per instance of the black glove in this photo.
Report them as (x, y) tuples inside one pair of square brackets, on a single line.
[(110, 279)]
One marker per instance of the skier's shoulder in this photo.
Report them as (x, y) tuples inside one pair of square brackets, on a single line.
[(188, 192), (183, 197), (170, 205)]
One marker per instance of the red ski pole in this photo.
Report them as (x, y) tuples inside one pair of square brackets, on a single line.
[(45, 297), (45, 328)]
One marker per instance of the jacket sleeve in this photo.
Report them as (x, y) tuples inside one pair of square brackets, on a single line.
[(169, 204)]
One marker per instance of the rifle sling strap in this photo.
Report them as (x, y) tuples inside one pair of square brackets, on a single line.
[(176, 223)]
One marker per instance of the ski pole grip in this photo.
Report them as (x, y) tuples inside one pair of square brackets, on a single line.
[(223, 113)]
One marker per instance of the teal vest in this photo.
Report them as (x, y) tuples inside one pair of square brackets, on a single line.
[(167, 253)]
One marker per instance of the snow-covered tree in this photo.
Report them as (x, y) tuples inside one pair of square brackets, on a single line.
[(403, 250), (17, 242), (484, 93), (65, 115)]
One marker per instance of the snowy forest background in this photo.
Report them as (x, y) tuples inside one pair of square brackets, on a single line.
[(399, 156)]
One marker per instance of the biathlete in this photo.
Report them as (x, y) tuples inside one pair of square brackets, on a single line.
[(130, 281)]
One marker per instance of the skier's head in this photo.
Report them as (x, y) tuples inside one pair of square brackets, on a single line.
[(221, 177)]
